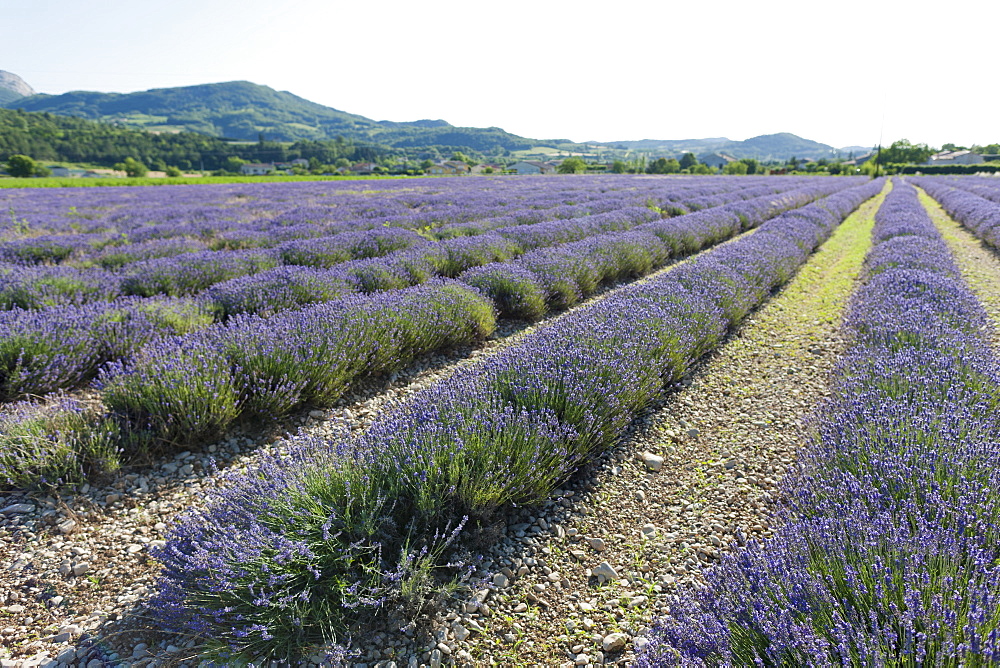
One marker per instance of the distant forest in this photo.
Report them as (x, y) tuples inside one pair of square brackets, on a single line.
[(48, 137)]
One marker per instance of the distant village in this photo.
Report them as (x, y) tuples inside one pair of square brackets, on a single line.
[(717, 162), (446, 168)]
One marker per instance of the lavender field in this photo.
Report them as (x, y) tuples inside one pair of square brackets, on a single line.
[(355, 422)]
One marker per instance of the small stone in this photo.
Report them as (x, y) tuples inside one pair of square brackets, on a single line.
[(67, 656), (436, 657), (67, 526), (461, 633), (614, 642), (651, 461), (81, 568), (605, 572), (17, 509), (582, 659), (648, 531), (132, 549), (500, 581), (596, 543), (521, 607), (65, 568), (445, 649), (640, 643)]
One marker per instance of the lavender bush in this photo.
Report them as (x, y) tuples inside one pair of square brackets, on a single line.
[(54, 443), (887, 552), (293, 556)]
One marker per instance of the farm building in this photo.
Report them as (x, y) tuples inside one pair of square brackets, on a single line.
[(532, 167), (716, 160), (450, 167), (963, 157)]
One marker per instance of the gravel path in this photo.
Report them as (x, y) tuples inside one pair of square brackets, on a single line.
[(980, 264)]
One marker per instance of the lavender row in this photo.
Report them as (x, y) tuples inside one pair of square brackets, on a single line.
[(345, 528), (52, 226), (179, 266), (59, 348), (888, 550), (288, 288), (187, 388), (980, 215), (985, 187), (559, 277)]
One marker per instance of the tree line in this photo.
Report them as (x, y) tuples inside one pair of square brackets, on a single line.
[(49, 138)]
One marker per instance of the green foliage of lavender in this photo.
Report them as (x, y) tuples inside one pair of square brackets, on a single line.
[(182, 390), (889, 550), (297, 554), (54, 443)]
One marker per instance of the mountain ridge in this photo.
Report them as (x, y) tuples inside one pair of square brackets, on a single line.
[(246, 111)]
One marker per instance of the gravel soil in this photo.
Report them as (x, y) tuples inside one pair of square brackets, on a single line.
[(573, 582)]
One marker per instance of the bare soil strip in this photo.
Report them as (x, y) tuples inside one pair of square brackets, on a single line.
[(979, 264), (577, 581)]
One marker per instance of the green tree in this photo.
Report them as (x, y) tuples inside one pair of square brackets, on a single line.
[(664, 166), (172, 171), (458, 156), (735, 168), (752, 165), (21, 166), (619, 167), (902, 151), (425, 165), (572, 166), (702, 168), (132, 167), (688, 160), (233, 163)]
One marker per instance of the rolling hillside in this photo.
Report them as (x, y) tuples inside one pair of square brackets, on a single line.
[(248, 112)]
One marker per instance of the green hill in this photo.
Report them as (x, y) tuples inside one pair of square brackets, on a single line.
[(244, 111), (781, 146)]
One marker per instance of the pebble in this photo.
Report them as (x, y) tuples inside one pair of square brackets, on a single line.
[(596, 543), (18, 509), (605, 572), (652, 462), (614, 642)]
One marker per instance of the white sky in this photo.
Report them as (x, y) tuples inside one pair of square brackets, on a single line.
[(827, 71)]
